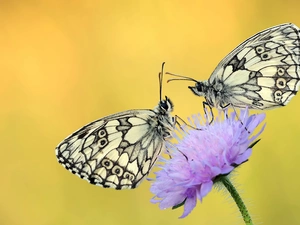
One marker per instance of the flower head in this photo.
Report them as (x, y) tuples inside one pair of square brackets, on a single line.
[(201, 156)]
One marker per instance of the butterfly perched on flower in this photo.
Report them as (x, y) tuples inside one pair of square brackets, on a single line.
[(261, 73), (119, 150)]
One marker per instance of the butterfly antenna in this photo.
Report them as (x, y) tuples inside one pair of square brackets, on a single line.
[(160, 77), (180, 77)]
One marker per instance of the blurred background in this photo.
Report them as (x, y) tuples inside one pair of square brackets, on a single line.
[(64, 64)]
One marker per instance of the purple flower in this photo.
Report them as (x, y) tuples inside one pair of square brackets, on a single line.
[(201, 156)]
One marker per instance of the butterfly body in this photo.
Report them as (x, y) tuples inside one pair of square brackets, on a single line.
[(118, 151), (261, 73), (216, 95)]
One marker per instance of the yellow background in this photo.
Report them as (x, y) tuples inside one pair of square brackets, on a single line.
[(66, 63)]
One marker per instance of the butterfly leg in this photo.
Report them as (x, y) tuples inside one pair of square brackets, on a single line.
[(179, 118), (225, 107), (237, 116), (205, 104)]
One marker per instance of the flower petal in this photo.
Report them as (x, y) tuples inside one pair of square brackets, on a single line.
[(204, 190), (189, 205)]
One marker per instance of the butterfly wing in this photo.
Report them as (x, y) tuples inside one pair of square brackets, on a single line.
[(117, 151), (263, 71)]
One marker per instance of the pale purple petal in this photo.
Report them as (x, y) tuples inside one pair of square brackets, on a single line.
[(204, 189), (189, 205)]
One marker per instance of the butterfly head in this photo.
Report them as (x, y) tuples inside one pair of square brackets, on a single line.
[(200, 88), (165, 122), (165, 106)]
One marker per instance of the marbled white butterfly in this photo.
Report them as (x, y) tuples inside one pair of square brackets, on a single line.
[(118, 151), (261, 73)]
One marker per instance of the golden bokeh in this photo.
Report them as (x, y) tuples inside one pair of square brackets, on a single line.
[(66, 63)]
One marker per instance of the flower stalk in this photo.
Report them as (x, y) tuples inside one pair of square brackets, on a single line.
[(237, 198)]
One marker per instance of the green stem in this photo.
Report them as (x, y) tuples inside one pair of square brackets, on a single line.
[(237, 198)]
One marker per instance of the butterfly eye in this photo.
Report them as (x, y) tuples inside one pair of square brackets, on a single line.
[(278, 96), (260, 49), (102, 133), (117, 170), (278, 93), (129, 176), (102, 142), (265, 56), (163, 104), (281, 83), (280, 71), (199, 86), (107, 163)]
